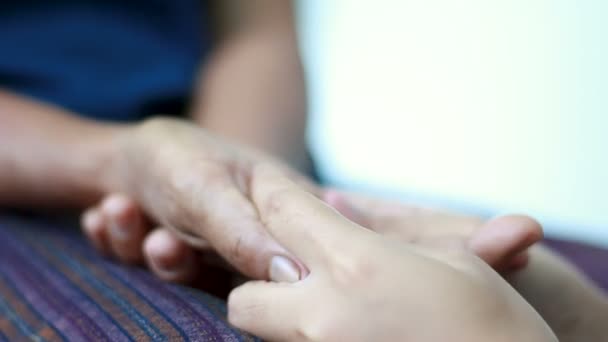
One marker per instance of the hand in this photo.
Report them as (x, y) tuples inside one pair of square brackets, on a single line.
[(364, 286), (574, 307), (501, 242), (217, 171), (117, 226), (196, 185)]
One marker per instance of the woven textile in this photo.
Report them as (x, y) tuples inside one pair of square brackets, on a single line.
[(54, 287)]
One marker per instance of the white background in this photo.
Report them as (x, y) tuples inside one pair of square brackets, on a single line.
[(501, 105)]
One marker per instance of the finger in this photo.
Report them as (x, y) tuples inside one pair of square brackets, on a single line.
[(93, 226), (126, 226), (265, 309), (168, 257), (499, 240), (230, 223), (303, 224)]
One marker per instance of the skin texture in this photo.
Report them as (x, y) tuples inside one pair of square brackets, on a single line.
[(350, 296), (256, 61), (574, 308), (501, 242), (194, 183)]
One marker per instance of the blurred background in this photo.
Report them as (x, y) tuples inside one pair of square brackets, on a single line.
[(487, 106)]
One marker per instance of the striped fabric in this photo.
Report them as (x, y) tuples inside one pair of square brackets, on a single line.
[(54, 287)]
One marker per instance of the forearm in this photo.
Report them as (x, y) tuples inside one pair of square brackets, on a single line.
[(574, 308), (50, 158), (253, 91)]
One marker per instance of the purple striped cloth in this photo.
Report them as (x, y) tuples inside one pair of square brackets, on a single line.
[(54, 287)]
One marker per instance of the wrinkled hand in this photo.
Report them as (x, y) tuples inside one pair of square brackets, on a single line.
[(193, 186), (364, 286), (196, 186), (117, 226)]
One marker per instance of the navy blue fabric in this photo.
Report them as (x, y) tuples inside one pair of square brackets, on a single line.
[(108, 59)]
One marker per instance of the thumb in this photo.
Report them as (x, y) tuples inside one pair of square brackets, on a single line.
[(503, 241), (265, 309)]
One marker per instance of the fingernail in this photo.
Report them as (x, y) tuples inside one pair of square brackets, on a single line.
[(283, 270)]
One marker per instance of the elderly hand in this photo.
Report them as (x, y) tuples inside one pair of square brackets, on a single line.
[(195, 185), (501, 242), (118, 226)]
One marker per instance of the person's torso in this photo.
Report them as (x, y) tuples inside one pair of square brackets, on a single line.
[(109, 59)]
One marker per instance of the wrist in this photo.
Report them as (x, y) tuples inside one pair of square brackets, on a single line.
[(129, 149), (51, 157), (106, 145)]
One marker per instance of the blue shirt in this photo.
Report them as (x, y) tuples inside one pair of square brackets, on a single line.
[(109, 59)]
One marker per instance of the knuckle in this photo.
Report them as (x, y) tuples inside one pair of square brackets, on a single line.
[(188, 187), (192, 176)]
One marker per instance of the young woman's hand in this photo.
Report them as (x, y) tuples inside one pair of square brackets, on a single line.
[(363, 286)]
